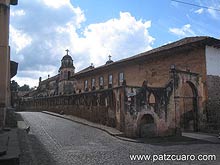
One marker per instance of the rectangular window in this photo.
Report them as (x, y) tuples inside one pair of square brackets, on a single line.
[(101, 82), (121, 78), (86, 85), (93, 83), (110, 81)]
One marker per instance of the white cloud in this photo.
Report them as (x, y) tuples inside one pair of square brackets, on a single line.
[(17, 13), (56, 3), (20, 40), (199, 11), (45, 32), (212, 9), (183, 31), (215, 14), (122, 37), (31, 77), (26, 80), (80, 17)]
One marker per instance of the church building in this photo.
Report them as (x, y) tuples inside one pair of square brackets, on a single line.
[(60, 84), (173, 88)]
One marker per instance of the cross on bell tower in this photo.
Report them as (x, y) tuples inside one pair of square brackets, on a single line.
[(67, 51)]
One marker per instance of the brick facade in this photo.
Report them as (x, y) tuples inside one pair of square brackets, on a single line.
[(175, 93), (213, 103)]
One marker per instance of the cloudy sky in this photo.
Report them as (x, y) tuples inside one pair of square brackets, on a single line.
[(41, 30)]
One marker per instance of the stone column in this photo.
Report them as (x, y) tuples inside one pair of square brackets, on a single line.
[(4, 57)]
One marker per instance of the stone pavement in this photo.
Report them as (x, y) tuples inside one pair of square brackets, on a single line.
[(110, 130), (114, 132), (9, 147), (57, 141)]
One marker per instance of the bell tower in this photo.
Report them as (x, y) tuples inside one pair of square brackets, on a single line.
[(4, 57), (67, 68), (66, 71)]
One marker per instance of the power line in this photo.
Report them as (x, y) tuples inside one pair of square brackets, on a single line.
[(192, 4)]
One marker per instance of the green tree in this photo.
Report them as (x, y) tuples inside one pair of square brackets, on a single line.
[(25, 87), (14, 86)]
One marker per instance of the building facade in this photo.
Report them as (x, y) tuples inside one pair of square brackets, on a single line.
[(6, 67), (159, 92)]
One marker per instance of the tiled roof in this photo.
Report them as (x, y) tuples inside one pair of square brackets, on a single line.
[(185, 42), (49, 79), (86, 69)]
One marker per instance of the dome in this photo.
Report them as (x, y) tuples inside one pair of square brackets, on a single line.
[(67, 57), (109, 61), (67, 61)]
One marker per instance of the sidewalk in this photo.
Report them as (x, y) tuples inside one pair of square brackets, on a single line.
[(9, 147), (202, 136), (112, 131)]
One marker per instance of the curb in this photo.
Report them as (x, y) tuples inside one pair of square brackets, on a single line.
[(116, 135), (208, 138), (129, 139)]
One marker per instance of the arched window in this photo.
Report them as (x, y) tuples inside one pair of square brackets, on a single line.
[(101, 82), (69, 74), (65, 74), (120, 78), (86, 85), (151, 99), (93, 83), (110, 81)]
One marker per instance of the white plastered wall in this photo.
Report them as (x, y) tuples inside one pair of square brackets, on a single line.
[(212, 61)]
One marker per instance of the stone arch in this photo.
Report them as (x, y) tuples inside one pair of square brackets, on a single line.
[(147, 125), (189, 107)]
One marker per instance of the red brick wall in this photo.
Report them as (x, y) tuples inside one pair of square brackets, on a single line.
[(213, 105), (154, 70)]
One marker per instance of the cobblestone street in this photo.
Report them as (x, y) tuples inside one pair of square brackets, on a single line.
[(58, 141)]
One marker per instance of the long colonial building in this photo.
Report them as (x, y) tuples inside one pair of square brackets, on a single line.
[(159, 92)]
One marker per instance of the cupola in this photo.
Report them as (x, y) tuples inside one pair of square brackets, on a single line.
[(109, 60), (67, 61)]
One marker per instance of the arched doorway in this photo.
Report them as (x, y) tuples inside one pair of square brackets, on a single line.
[(147, 126), (189, 108)]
